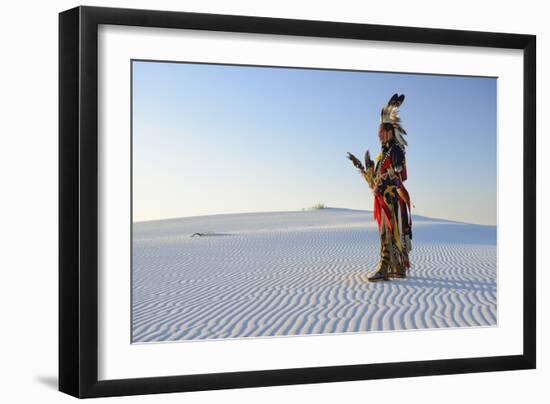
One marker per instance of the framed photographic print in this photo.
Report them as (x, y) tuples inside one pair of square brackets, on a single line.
[(249, 201)]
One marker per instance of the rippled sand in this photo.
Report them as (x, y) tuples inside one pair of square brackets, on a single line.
[(299, 273)]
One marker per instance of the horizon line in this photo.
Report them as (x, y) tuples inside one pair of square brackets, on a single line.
[(309, 209)]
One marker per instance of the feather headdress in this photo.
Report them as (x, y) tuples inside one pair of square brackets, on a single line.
[(390, 114)]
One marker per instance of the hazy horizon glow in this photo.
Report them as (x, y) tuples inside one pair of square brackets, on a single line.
[(214, 139)]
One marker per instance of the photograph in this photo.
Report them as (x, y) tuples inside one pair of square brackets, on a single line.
[(276, 201)]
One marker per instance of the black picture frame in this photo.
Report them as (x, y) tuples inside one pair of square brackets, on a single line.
[(78, 201)]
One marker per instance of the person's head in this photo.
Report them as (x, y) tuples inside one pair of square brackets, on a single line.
[(385, 132)]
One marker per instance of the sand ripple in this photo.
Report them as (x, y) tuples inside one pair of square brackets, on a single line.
[(297, 273)]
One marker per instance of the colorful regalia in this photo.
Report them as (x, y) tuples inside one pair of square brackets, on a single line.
[(392, 206)]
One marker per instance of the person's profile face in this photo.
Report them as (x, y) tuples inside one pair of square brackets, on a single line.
[(383, 134)]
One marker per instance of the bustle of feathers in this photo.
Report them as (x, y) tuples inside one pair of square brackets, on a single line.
[(390, 114)]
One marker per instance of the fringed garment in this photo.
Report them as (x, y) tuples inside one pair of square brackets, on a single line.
[(392, 207)]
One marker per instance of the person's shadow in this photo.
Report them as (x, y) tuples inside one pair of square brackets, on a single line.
[(48, 381)]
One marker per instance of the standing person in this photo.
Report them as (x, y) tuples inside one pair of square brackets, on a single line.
[(391, 200)]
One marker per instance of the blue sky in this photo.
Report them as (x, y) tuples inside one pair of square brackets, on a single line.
[(211, 139)]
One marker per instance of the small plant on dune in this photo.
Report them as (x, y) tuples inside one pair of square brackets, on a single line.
[(317, 206)]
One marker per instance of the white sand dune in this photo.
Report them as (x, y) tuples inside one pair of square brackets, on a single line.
[(297, 273)]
